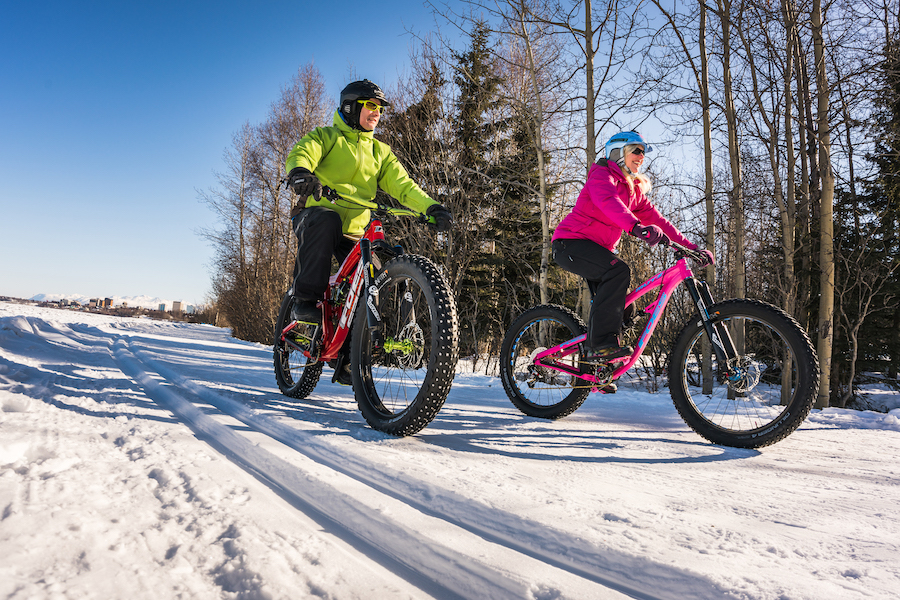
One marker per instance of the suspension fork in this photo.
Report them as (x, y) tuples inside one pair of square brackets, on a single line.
[(370, 295), (718, 334)]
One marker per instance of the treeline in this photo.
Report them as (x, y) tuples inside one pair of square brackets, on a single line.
[(788, 114)]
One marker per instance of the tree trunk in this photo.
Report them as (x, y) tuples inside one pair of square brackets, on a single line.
[(738, 266), (788, 236), (707, 186), (542, 171), (826, 221), (591, 146), (804, 208), (734, 155)]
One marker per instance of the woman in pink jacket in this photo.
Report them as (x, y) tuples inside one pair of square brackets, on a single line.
[(613, 201)]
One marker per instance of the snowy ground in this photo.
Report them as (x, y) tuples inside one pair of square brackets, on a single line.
[(145, 459)]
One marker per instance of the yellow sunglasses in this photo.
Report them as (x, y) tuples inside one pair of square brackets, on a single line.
[(372, 106)]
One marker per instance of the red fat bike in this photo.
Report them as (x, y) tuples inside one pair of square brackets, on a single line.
[(400, 322)]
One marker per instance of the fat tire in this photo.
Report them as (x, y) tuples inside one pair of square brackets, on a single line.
[(572, 326), (682, 374), (297, 381), (430, 376)]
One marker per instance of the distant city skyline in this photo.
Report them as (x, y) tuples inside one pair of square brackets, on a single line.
[(148, 302)]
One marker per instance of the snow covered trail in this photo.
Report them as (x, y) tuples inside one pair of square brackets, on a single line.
[(142, 459), (498, 527), (439, 571)]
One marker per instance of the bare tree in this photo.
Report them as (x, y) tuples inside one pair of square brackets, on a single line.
[(863, 292), (255, 246), (826, 211), (766, 81)]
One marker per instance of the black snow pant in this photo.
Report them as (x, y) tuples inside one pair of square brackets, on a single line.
[(608, 278), (319, 237)]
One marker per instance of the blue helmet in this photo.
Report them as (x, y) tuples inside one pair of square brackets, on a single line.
[(624, 138)]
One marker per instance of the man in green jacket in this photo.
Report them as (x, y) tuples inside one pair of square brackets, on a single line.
[(347, 158)]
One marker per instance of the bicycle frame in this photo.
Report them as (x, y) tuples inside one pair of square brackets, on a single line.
[(666, 281)]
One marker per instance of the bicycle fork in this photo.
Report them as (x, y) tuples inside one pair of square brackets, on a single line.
[(370, 295), (370, 298), (722, 343)]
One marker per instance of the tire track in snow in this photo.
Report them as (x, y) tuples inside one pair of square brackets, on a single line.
[(627, 574), (438, 571)]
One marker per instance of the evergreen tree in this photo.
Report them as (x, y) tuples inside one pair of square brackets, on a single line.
[(884, 200), (514, 229), (479, 126)]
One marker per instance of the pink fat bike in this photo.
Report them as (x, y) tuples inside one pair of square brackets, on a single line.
[(741, 373)]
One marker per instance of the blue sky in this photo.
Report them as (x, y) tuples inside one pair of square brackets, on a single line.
[(115, 114)]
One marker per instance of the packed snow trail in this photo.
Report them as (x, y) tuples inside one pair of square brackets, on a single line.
[(438, 571), (562, 551), (620, 500)]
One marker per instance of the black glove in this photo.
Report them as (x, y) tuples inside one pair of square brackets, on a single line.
[(304, 183), (442, 217), (651, 234), (706, 258)]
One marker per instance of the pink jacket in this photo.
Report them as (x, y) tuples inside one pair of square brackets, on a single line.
[(606, 207)]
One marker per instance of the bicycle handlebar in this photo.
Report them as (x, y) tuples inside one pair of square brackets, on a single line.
[(333, 196), (685, 252)]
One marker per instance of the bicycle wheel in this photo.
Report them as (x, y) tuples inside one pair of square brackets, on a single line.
[(402, 386), (539, 391), (764, 395), (296, 374)]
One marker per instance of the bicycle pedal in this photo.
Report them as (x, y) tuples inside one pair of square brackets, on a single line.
[(309, 323)]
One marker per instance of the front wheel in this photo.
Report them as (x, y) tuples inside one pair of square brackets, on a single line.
[(295, 373), (401, 386), (759, 396), (535, 390)]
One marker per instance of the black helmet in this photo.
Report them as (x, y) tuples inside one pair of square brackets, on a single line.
[(354, 91)]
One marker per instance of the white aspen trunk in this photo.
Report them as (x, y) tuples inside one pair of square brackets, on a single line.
[(826, 220)]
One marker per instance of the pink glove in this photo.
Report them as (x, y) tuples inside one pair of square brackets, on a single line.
[(706, 258), (651, 234)]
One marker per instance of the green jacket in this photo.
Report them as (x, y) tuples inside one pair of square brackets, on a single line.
[(354, 164)]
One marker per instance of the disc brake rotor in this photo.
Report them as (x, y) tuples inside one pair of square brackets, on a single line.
[(409, 347), (744, 374)]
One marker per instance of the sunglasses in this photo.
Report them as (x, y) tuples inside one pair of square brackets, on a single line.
[(638, 151), (372, 106)]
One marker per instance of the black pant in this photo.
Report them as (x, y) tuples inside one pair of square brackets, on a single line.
[(608, 278), (319, 237)]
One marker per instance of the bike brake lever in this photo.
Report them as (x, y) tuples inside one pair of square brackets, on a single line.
[(331, 194), (683, 252)]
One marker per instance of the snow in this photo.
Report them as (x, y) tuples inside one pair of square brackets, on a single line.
[(148, 459)]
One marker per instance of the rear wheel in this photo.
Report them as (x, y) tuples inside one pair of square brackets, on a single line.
[(402, 386), (535, 390), (760, 396), (296, 374)]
